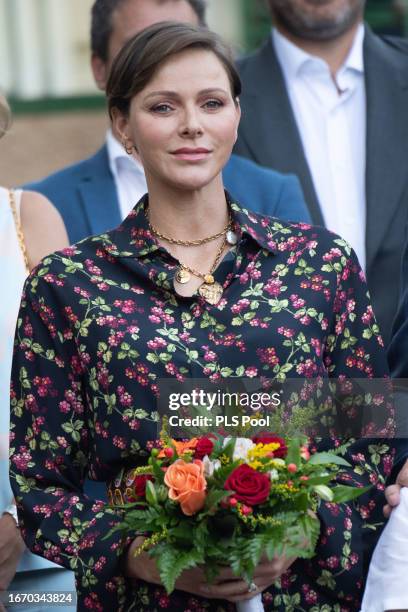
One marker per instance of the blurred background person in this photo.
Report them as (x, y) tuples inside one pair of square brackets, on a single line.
[(386, 583), (326, 98), (97, 193), (30, 228)]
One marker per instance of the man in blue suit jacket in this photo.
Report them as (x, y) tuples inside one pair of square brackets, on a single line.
[(89, 195)]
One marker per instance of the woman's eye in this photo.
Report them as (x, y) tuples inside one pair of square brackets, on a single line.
[(213, 104), (161, 108)]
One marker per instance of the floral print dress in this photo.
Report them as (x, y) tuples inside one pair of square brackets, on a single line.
[(100, 323)]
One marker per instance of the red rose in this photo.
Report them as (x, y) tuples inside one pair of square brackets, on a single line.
[(139, 484), (270, 438), (204, 447), (250, 487)]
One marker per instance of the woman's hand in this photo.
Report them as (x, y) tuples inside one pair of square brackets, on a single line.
[(143, 567), (226, 586), (140, 566), (236, 590)]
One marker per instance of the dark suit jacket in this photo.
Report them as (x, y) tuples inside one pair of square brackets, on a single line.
[(85, 193), (398, 350), (398, 362), (269, 135)]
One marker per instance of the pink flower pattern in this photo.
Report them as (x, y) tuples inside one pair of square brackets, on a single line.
[(100, 323)]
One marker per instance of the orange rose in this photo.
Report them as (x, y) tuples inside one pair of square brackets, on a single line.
[(187, 485), (181, 447)]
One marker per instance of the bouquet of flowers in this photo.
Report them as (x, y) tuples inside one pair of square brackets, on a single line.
[(213, 501)]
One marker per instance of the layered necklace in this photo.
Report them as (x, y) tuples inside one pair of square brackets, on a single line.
[(210, 289)]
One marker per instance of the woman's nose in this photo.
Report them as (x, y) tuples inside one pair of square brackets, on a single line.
[(191, 126)]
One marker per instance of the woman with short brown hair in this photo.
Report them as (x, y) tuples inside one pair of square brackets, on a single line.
[(190, 285)]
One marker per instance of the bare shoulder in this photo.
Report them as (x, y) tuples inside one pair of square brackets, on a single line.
[(42, 225)]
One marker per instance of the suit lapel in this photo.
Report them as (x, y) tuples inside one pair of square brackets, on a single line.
[(268, 124), (98, 194), (387, 138)]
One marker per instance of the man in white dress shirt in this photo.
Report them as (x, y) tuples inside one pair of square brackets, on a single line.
[(326, 98), (329, 101)]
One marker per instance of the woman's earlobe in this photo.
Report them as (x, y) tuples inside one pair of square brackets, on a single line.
[(119, 125), (120, 131), (128, 145)]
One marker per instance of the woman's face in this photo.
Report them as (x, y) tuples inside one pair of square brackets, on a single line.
[(184, 122)]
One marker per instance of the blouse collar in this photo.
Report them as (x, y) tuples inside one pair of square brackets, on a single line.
[(133, 237)]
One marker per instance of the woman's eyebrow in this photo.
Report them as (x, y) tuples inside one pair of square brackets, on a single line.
[(212, 90), (167, 93), (174, 94)]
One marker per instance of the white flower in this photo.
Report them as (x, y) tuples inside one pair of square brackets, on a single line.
[(241, 448), (273, 474), (210, 466)]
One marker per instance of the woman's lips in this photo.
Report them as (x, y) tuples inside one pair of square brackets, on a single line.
[(191, 154)]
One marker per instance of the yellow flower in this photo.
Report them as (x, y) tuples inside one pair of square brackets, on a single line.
[(262, 451), (224, 459)]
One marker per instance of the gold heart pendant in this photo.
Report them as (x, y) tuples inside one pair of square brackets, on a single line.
[(211, 293)]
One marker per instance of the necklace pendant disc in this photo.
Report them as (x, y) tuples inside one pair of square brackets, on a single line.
[(182, 276), (211, 293), (231, 237)]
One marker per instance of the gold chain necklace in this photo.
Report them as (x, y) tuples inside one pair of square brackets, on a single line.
[(210, 289), (189, 242)]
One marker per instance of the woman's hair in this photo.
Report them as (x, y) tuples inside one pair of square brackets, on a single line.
[(5, 116), (141, 57)]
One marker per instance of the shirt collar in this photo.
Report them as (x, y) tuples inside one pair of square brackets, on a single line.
[(133, 237), (292, 58), (116, 153), (355, 58)]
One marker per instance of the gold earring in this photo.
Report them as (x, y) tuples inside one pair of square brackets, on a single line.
[(128, 147)]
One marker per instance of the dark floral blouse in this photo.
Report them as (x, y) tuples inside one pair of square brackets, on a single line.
[(100, 323)]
